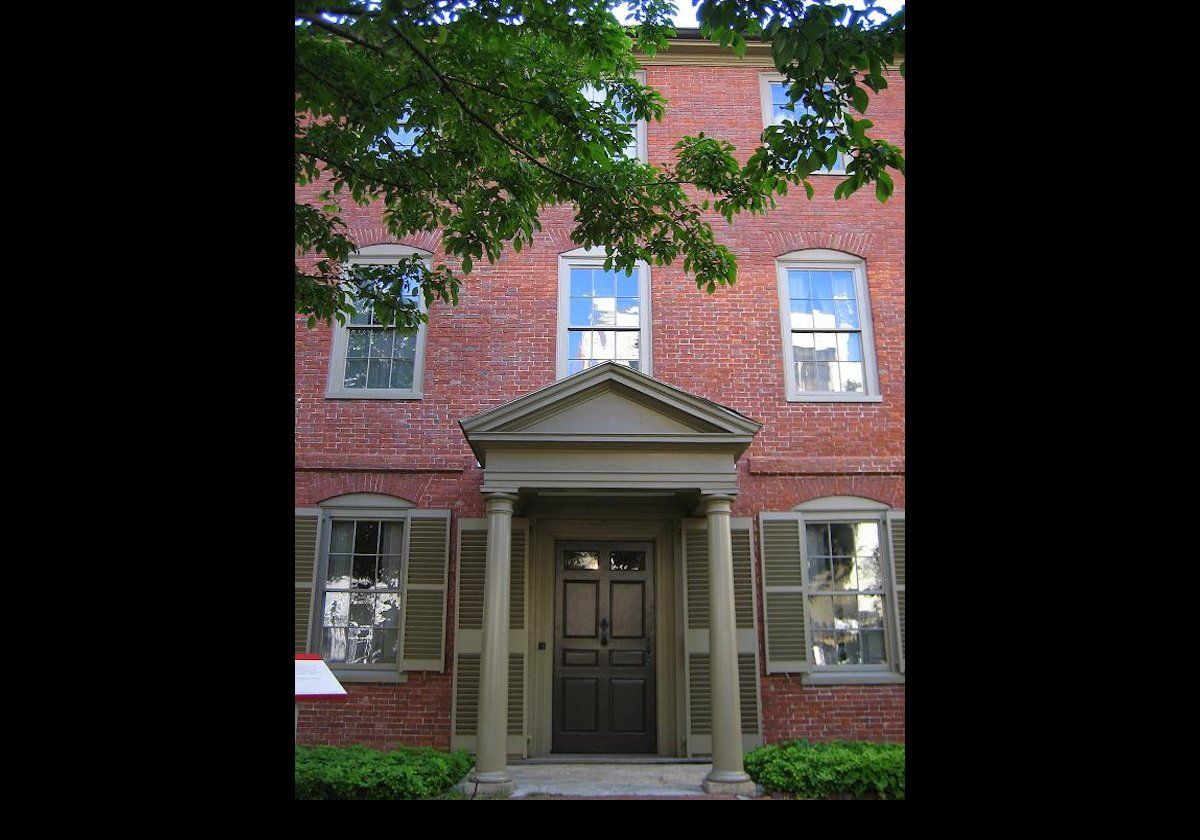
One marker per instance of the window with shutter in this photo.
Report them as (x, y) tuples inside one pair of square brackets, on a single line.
[(696, 651), (379, 595), (468, 635), (834, 605)]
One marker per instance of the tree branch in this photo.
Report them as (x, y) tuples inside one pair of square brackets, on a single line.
[(446, 86)]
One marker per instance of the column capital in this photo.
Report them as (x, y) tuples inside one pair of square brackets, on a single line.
[(716, 503), (500, 502)]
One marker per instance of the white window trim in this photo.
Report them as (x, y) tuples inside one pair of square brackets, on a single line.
[(335, 389), (359, 506), (643, 148), (823, 259), (837, 509), (764, 94), (595, 257)]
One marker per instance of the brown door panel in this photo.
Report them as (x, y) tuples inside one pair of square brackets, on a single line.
[(603, 647)]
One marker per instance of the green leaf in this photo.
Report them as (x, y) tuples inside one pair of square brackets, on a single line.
[(883, 186), (860, 99)]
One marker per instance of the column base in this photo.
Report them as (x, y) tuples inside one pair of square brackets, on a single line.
[(730, 786), (488, 785)]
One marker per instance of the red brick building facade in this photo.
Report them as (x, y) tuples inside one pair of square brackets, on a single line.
[(502, 342)]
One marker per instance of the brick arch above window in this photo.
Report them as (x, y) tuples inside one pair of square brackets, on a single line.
[(856, 244), (404, 487), (371, 235)]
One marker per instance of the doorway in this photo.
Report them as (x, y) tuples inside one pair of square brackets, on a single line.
[(603, 672)]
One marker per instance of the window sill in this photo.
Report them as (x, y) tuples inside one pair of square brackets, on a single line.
[(836, 398), (374, 395), (853, 678), (369, 676)]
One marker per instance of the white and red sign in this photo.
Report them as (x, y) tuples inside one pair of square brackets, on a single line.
[(314, 680)]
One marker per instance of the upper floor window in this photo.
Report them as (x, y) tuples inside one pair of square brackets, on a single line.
[(402, 137), (777, 109), (602, 315), (371, 360), (826, 319), (636, 148)]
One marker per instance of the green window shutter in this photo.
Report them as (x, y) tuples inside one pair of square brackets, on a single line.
[(307, 530), (423, 638), (696, 640), (468, 634), (786, 630), (896, 534), (746, 612)]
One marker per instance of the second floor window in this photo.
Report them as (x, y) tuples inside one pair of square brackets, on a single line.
[(828, 343), (602, 315), (371, 360)]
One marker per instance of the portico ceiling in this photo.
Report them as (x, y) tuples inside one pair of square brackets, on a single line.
[(610, 427)]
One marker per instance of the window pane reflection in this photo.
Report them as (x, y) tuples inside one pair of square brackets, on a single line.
[(846, 599), (627, 561), (581, 561), (604, 318), (361, 606)]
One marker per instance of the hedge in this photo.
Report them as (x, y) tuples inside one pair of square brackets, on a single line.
[(362, 773), (833, 770)]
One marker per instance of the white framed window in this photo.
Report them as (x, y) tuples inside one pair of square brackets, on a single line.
[(825, 316), (845, 597), (602, 315), (359, 592), (776, 110), (371, 361), (637, 147)]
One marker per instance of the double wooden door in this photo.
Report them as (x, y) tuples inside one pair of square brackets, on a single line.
[(604, 647)]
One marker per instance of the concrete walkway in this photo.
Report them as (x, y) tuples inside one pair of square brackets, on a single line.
[(618, 780)]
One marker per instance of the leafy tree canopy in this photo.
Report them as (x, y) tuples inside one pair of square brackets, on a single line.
[(473, 116)]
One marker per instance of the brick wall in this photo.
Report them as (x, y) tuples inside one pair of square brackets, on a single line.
[(416, 713), (831, 713), (500, 341)]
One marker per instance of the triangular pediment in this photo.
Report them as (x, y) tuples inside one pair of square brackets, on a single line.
[(608, 400), (609, 409)]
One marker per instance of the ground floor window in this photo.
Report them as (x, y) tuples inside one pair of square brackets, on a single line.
[(361, 604)]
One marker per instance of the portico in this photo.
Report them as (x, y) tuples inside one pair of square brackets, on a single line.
[(635, 622)]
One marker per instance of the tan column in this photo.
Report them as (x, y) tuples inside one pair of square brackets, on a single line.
[(491, 765), (728, 773)]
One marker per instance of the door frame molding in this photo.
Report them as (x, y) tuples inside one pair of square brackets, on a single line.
[(545, 531)]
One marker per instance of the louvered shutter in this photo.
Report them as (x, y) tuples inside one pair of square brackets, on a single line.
[(423, 637), (308, 522), (783, 593), (468, 634), (896, 534), (696, 641)]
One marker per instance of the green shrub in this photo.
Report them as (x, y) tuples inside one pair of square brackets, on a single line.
[(834, 770), (362, 773)]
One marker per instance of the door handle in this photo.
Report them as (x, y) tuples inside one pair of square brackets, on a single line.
[(604, 632)]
